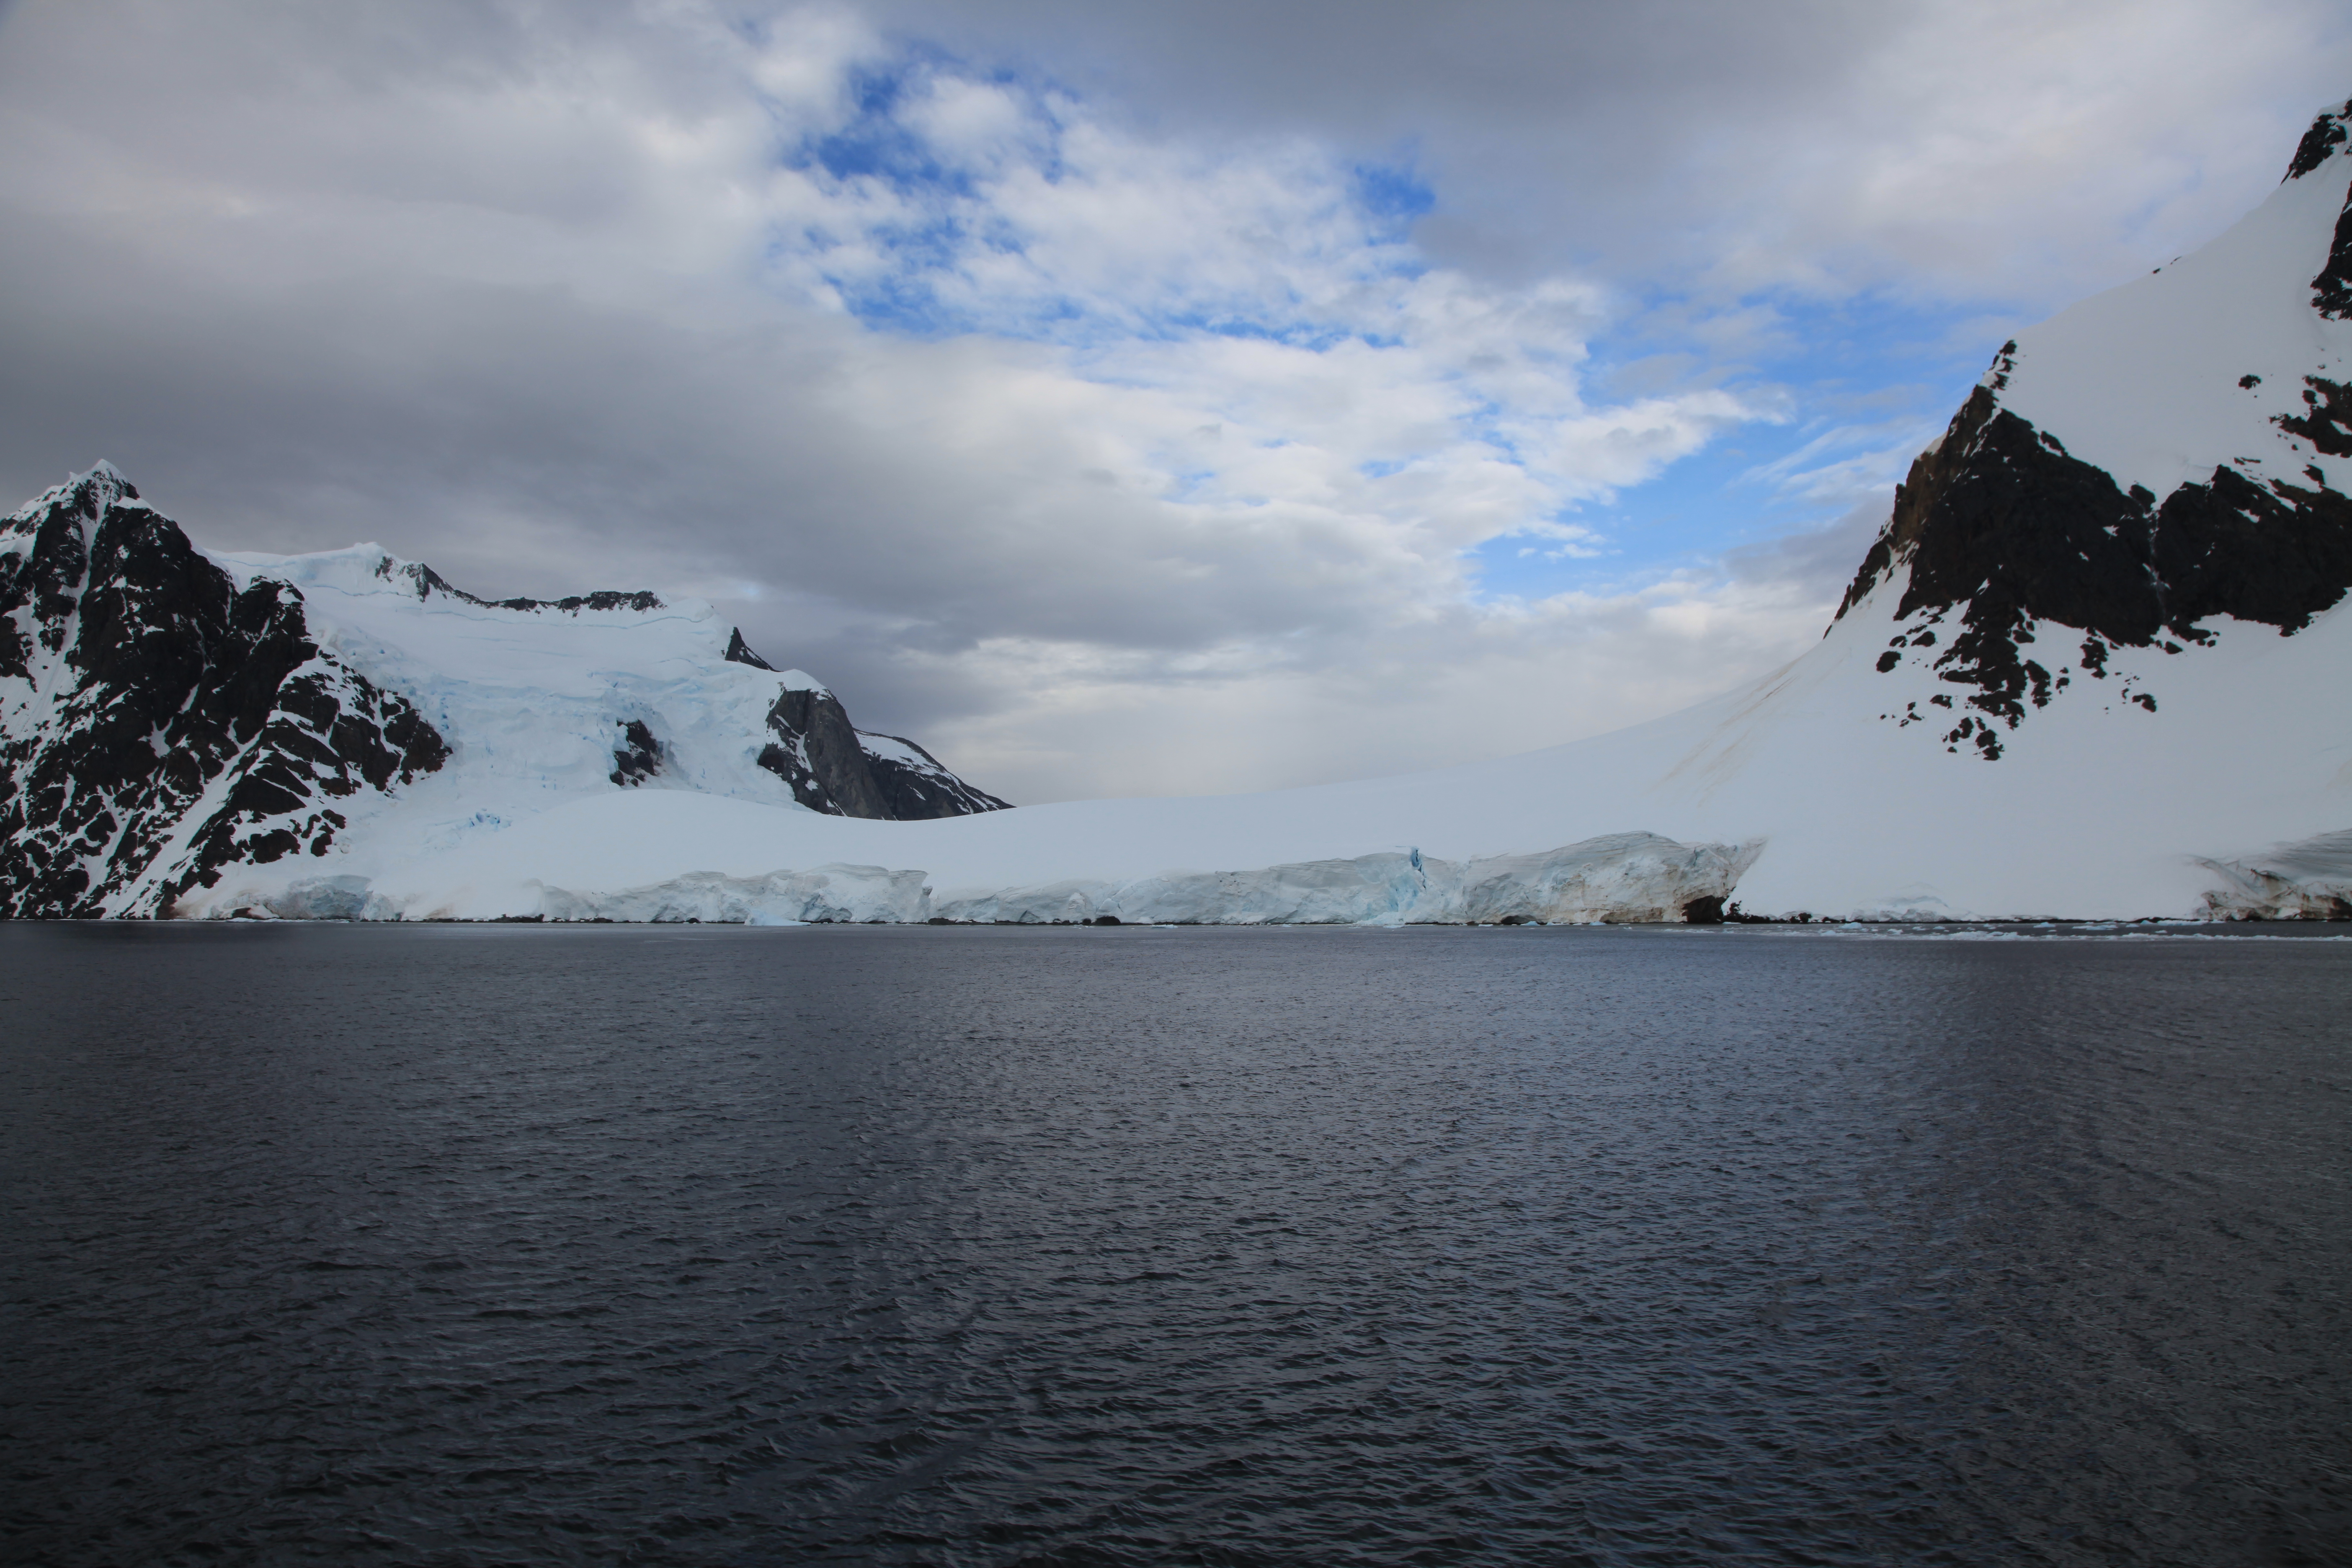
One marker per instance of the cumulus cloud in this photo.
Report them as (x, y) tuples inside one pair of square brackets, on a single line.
[(1111, 423)]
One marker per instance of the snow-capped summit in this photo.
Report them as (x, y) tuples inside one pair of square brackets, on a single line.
[(165, 710)]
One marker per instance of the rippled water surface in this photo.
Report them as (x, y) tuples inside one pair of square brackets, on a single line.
[(1077, 1247)]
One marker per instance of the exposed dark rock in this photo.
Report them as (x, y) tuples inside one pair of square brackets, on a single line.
[(2331, 286), (739, 652), (2005, 531), (923, 789), (2331, 289), (2003, 363), (1704, 911), (427, 583), (638, 758), (2328, 425), (2278, 554), (834, 767), (2319, 143), (831, 768), (176, 724), (816, 752)]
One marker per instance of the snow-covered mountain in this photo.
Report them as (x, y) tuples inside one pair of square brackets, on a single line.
[(2152, 463), (167, 712), (2094, 666)]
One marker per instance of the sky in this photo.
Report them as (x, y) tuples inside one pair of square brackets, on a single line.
[(1116, 398)]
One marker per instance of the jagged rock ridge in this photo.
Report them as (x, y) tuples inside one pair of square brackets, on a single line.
[(161, 722), (426, 583), (2331, 291)]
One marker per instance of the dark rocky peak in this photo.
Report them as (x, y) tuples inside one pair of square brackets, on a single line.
[(739, 652), (836, 768), (422, 580), (154, 690), (2320, 144), (833, 768), (45, 545), (87, 496), (56, 553), (425, 582), (2331, 286)]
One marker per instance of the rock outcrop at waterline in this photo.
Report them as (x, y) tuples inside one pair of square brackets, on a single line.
[(2307, 881)]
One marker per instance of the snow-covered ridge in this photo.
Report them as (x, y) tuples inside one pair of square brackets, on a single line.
[(547, 698), (2195, 366)]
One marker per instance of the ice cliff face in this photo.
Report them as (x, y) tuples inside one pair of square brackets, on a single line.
[(1624, 879), (2168, 454), (166, 713)]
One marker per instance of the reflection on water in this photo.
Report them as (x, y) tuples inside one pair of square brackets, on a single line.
[(475, 1246)]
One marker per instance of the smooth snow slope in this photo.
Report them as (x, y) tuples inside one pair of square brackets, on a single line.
[(2143, 379)]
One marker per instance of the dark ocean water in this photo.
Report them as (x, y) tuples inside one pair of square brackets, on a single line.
[(706, 1246)]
